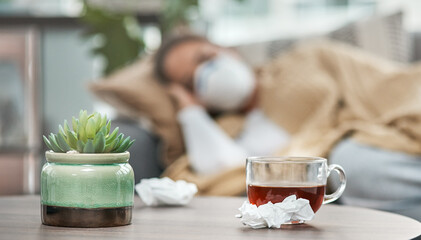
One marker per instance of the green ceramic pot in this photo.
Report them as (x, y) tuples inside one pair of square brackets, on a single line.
[(87, 190)]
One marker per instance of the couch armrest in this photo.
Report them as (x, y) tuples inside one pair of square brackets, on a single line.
[(145, 153), (416, 46)]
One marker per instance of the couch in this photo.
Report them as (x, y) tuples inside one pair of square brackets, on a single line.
[(147, 154)]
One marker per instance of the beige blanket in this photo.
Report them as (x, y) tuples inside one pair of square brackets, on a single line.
[(321, 93)]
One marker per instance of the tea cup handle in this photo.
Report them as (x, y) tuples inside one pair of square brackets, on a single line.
[(342, 178)]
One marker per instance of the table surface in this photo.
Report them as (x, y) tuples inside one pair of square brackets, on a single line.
[(207, 218)]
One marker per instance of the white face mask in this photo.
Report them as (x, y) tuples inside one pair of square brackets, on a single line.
[(224, 83)]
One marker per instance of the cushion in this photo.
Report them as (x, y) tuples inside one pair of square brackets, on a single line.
[(383, 36), (135, 92)]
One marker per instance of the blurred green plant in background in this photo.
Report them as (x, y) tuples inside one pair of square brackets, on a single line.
[(121, 40), (120, 33)]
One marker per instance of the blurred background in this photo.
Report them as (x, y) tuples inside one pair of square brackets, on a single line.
[(51, 49)]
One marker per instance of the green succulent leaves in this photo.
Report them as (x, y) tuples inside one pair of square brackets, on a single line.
[(89, 134)]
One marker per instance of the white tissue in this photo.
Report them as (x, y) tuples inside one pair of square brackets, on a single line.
[(274, 215), (164, 191)]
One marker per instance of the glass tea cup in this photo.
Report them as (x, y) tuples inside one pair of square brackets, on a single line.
[(275, 178)]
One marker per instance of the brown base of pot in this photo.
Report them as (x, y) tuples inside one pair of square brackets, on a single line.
[(85, 217)]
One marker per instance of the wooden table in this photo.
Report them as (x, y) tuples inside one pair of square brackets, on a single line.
[(207, 218)]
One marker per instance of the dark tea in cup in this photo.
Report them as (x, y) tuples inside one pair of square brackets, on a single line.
[(276, 178), (259, 195)]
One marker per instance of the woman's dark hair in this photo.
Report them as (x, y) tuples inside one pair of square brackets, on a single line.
[(166, 47)]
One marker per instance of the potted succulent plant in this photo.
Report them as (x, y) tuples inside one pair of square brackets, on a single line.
[(87, 180)]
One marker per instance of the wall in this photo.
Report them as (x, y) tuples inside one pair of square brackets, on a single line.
[(67, 68)]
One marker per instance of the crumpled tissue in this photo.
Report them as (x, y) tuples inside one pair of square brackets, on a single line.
[(274, 215), (164, 191)]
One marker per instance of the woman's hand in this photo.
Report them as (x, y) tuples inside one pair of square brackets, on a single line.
[(183, 96)]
